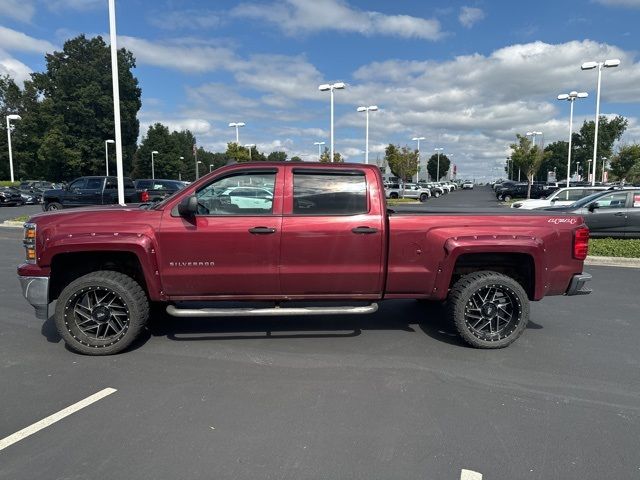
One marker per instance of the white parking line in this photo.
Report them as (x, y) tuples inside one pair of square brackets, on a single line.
[(51, 419), (470, 475)]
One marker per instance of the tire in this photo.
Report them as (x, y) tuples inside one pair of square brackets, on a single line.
[(80, 310), (393, 195), (436, 194), (423, 197), (53, 206), (469, 317), (506, 198)]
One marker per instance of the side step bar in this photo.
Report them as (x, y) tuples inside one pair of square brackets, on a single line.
[(269, 312)]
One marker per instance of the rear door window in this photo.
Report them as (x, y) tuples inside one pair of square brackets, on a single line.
[(329, 193)]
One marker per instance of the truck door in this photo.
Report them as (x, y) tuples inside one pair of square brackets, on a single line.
[(333, 234), (633, 216), (610, 216), (92, 192), (228, 249), (73, 197)]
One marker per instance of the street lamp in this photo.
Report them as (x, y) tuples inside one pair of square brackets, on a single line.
[(533, 136), (604, 162), (210, 167), (237, 125), (331, 87), (197, 173), (417, 139), (571, 97), (319, 144), (153, 170), (250, 146), (371, 108), (9, 118), (106, 154), (589, 66), (116, 99), (438, 167)]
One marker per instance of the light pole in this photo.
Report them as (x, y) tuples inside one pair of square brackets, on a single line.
[(237, 126), (371, 108), (438, 167), (331, 87), (589, 66), (604, 162), (106, 154), (533, 136), (210, 167), (571, 97), (9, 118), (250, 146), (116, 99), (197, 172), (417, 139), (153, 169), (319, 144)]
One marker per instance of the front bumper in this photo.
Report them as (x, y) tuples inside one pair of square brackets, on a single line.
[(36, 291), (577, 282)]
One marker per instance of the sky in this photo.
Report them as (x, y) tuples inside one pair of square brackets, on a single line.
[(468, 76)]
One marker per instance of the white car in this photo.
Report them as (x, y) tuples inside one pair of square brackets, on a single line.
[(467, 185), (563, 196)]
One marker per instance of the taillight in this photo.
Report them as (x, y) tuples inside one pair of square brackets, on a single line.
[(581, 243), (144, 196), (29, 242)]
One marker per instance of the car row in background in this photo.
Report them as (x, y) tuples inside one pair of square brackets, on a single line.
[(560, 197), (609, 213)]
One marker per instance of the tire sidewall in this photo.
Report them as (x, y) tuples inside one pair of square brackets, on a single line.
[(466, 287), (130, 293)]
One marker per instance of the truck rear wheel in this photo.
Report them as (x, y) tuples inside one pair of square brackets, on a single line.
[(51, 206), (423, 197), (101, 313), (393, 195), (489, 309)]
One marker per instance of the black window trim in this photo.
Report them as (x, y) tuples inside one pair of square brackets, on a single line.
[(327, 171)]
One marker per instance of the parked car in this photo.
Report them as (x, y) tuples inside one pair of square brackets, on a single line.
[(611, 213), (467, 185), (519, 190), (436, 190), (85, 191), (416, 191), (561, 197), (10, 197), (326, 236), (157, 189)]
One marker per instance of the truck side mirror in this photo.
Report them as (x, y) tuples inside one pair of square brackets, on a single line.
[(188, 207), (593, 206)]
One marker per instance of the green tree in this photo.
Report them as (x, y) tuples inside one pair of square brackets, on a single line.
[(609, 131), (432, 166), (295, 159), (277, 156), (237, 152), (526, 158), (626, 163), (554, 160), (324, 158), (403, 162)]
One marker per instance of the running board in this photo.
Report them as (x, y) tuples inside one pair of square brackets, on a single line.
[(269, 312)]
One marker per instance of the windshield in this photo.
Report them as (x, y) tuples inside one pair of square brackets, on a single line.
[(586, 200)]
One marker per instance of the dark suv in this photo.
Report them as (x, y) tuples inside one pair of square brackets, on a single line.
[(85, 191), (519, 190), (155, 190)]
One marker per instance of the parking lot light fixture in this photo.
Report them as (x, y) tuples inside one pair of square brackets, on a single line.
[(9, 118), (210, 167), (533, 136), (417, 139), (106, 155), (611, 63), (319, 144), (571, 98), (330, 87), (250, 147), (237, 126), (153, 171), (371, 108), (438, 150)]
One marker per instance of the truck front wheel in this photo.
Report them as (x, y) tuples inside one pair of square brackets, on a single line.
[(51, 206), (101, 313), (489, 309)]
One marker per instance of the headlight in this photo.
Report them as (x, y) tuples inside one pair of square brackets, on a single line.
[(29, 242)]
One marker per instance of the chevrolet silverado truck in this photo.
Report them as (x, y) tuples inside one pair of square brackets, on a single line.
[(304, 239)]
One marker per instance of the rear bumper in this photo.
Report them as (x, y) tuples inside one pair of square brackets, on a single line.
[(577, 283), (36, 291)]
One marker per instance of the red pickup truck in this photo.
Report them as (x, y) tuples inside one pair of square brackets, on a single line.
[(279, 232)]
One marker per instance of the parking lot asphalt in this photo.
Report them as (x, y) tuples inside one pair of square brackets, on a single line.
[(394, 395), (7, 213)]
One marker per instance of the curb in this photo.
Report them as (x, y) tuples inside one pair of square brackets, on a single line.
[(11, 224), (613, 262)]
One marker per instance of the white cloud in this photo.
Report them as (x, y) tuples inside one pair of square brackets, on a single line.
[(21, 10), (185, 19), (620, 3), (197, 126), (186, 54), (296, 17), (470, 16), (14, 68), (12, 40)]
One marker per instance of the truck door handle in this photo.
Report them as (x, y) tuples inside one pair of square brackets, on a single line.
[(364, 230), (262, 230)]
